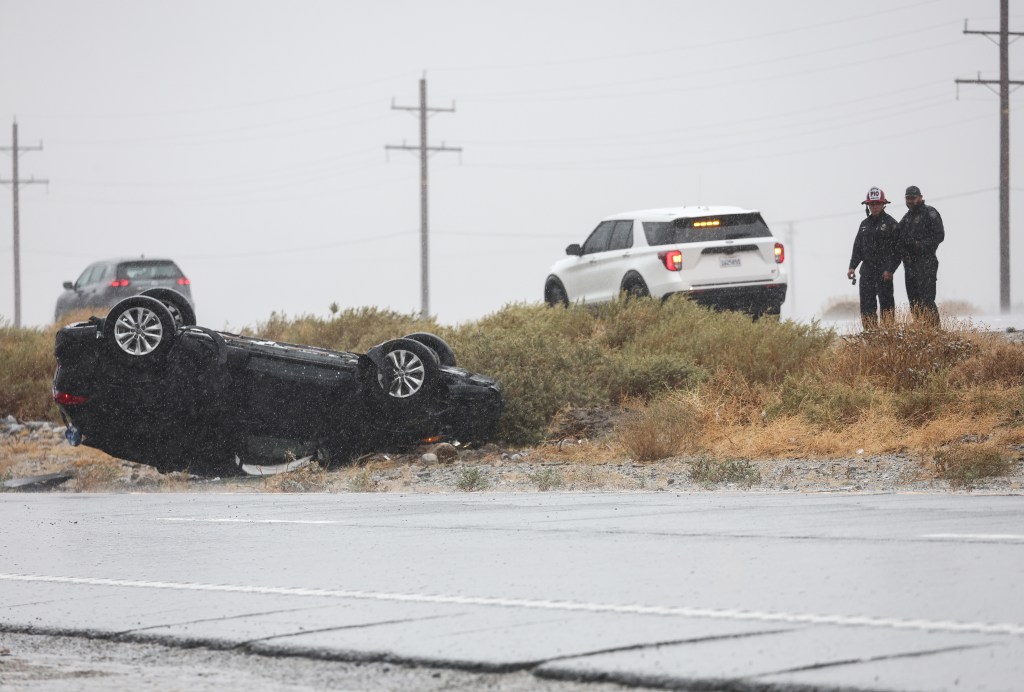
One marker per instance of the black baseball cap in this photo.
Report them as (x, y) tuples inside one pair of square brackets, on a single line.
[(913, 191)]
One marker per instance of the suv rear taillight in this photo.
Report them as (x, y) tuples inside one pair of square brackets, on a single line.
[(69, 399), (119, 283), (673, 259), (780, 253), (183, 281)]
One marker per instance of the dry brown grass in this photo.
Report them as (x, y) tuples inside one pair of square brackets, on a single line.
[(898, 357), (663, 428), (311, 478)]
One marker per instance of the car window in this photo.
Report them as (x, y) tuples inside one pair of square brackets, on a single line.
[(95, 274), (622, 236), (148, 269), (599, 239), (726, 227), (83, 280)]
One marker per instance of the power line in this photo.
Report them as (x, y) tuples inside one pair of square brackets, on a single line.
[(606, 90), (1004, 83), (16, 183), (424, 150), (684, 46)]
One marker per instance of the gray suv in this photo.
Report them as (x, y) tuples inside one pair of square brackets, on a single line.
[(107, 282)]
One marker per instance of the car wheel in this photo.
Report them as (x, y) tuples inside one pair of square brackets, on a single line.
[(409, 370), (555, 295), (445, 354), (139, 329), (182, 311), (633, 286)]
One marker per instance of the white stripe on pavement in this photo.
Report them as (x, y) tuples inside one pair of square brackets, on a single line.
[(713, 613), (979, 537)]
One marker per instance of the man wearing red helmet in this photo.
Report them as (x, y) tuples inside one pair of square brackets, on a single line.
[(876, 250)]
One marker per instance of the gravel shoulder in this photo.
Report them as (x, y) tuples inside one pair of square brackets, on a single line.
[(36, 449), (79, 664)]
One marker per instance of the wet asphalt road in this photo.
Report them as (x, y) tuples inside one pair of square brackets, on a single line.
[(717, 591)]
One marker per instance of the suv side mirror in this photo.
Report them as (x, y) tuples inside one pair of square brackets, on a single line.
[(574, 249), (68, 285)]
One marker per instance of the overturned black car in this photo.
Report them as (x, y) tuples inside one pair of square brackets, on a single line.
[(146, 384)]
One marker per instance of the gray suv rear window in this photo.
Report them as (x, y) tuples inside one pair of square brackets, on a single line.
[(726, 227), (148, 269)]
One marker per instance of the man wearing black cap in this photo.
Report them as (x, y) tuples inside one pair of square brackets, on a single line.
[(921, 232), (876, 249)]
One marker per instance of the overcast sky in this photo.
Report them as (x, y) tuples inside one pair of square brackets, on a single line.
[(246, 140)]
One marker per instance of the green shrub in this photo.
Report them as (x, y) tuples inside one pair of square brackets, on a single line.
[(708, 472), (963, 465), (827, 404), (547, 479), (469, 479), (354, 329), (644, 375), (541, 361)]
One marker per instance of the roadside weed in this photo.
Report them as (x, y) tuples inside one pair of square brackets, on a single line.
[(709, 472), (548, 479), (470, 479), (965, 464)]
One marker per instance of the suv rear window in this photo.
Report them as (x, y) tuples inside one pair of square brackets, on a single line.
[(730, 227), (148, 269)]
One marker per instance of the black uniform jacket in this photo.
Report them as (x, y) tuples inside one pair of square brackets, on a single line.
[(921, 232), (877, 245)]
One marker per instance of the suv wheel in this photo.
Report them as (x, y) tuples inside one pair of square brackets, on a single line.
[(409, 372), (555, 295), (633, 286), (444, 352), (139, 329), (182, 311)]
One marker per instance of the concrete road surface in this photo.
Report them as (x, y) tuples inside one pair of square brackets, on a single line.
[(713, 591)]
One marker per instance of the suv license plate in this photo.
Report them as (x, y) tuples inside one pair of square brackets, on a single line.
[(729, 261)]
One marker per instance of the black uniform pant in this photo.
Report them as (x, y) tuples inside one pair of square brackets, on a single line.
[(874, 294), (921, 276)]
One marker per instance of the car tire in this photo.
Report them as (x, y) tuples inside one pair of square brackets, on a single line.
[(182, 311), (633, 286), (555, 294), (410, 371), (445, 354), (139, 330)]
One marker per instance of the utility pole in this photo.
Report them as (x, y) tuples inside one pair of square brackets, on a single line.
[(15, 183), (424, 151), (1004, 83)]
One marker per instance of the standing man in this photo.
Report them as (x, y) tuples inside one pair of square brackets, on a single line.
[(876, 250), (921, 232)]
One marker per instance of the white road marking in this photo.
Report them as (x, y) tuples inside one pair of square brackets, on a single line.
[(231, 520), (980, 537), (577, 606)]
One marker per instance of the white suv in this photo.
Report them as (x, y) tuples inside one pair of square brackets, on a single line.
[(724, 257)]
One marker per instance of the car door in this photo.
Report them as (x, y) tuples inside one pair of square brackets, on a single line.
[(94, 290), (607, 267), (578, 277), (78, 297)]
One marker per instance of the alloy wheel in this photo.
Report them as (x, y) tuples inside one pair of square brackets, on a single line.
[(138, 331), (408, 374)]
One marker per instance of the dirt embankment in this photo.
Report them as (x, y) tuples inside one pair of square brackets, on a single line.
[(577, 462)]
